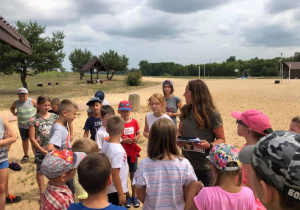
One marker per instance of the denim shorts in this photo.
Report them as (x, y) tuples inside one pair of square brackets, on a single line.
[(24, 133), (4, 164), (132, 166)]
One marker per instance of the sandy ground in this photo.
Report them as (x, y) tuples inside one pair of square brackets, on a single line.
[(279, 101)]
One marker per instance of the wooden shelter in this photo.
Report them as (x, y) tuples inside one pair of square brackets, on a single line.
[(9, 35), (295, 70), (91, 65)]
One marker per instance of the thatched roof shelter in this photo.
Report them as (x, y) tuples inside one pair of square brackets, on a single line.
[(295, 70), (91, 65), (9, 35)]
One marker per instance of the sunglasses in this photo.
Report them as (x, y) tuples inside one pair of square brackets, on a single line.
[(242, 123)]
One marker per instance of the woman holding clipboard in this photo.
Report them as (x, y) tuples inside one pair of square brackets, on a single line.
[(200, 119)]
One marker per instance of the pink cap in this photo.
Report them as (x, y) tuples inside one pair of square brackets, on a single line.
[(254, 119)]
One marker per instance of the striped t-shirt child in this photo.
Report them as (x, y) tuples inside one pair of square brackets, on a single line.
[(164, 180)]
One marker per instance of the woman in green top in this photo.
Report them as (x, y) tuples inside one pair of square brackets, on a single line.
[(199, 118)]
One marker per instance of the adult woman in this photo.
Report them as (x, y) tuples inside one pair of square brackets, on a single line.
[(199, 118), (173, 102)]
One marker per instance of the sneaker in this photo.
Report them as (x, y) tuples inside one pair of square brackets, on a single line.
[(13, 198), (135, 201), (15, 166), (128, 202)]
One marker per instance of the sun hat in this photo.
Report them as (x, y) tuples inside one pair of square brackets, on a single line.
[(100, 95), (276, 159), (221, 154), (22, 90), (254, 119), (93, 100), (167, 82), (59, 162), (124, 105)]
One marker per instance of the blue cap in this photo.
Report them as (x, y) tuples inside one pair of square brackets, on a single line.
[(100, 95)]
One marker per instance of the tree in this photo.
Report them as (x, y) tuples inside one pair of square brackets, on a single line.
[(297, 57), (114, 62), (79, 58), (230, 59), (47, 54)]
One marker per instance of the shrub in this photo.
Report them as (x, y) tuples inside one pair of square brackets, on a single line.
[(133, 78)]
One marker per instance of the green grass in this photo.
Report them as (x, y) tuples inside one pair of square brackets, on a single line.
[(69, 86)]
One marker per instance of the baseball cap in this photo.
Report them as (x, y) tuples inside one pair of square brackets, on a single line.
[(22, 90), (93, 100), (221, 154), (167, 82), (124, 105), (59, 162), (276, 158), (254, 119), (100, 95)]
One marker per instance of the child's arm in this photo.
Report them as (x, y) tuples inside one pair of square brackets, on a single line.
[(34, 141), (12, 138), (117, 183), (71, 130), (137, 136), (33, 102), (86, 134), (193, 190), (50, 147), (141, 193), (13, 109), (146, 129)]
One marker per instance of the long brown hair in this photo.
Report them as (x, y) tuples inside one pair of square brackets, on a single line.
[(202, 104), (162, 140)]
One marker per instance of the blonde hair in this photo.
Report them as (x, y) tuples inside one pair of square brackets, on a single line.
[(217, 178), (85, 145), (115, 125), (161, 100), (66, 105), (162, 140), (296, 120)]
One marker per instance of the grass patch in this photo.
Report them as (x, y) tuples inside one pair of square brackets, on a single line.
[(69, 86)]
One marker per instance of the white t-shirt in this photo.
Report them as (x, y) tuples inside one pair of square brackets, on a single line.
[(101, 136), (151, 119), (118, 159)]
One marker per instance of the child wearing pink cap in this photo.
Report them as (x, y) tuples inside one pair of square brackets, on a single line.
[(252, 125)]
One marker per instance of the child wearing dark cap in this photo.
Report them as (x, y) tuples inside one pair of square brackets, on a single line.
[(93, 123), (100, 94), (276, 166), (59, 166), (89, 171)]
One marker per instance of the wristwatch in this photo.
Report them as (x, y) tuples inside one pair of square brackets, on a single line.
[(211, 145)]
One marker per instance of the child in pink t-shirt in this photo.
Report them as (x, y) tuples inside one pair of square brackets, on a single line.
[(225, 193)]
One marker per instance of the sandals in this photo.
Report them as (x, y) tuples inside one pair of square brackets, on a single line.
[(25, 159), (12, 199), (14, 166)]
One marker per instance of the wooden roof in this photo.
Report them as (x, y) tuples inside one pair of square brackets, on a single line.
[(294, 65), (9, 35), (94, 63)]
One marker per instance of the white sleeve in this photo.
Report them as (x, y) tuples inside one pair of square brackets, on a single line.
[(117, 160), (99, 138), (56, 138)]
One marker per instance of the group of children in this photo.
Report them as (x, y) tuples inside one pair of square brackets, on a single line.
[(163, 180)]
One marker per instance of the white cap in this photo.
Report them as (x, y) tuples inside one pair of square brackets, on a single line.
[(22, 91)]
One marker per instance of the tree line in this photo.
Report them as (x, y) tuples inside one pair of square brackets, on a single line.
[(254, 67)]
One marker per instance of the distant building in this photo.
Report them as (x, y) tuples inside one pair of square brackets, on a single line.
[(295, 70)]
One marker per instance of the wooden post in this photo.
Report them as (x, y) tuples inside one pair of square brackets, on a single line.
[(134, 99)]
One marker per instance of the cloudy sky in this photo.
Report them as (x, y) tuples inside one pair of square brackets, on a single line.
[(181, 31)]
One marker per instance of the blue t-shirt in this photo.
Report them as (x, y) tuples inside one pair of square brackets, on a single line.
[(92, 124), (77, 206)]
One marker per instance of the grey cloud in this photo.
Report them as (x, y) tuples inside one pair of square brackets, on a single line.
[(184, 6), (147, 31), (91, 7), (272, 36), (278, 6)]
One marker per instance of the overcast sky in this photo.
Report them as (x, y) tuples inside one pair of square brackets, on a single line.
[(180, 31)]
